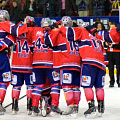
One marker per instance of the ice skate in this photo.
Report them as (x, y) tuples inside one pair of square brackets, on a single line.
[(100, 108), (44, 102), (35, 111), (76, 107), (29, 106), (55, 110), (72, 111), (15, 108), (91, 112), (2, 109)]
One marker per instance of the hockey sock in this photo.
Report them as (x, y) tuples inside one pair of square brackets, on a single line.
[(77, 95), (36, 94), (69, 95), (55, 94), (16, 92), (46, 92), (89, 94), (3, 88), (29, 91), (100, 94)]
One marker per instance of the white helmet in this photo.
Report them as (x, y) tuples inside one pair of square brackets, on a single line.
[(28, 19), (67, 21), (45, 22), (4, 15)]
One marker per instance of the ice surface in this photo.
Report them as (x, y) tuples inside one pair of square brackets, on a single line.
[(112, 106)]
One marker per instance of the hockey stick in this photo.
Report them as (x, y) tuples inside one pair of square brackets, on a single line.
[(11, 103)]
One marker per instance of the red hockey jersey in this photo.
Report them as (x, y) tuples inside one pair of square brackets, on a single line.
[(22, 55), (43, 55), (65, 49), (92, 51), (7, 29), (13, 29)]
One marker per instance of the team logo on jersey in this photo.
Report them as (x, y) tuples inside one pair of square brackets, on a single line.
[(40, 34), (56, 75), (86, 80), (6, 76), (14, 79), (67, 78)]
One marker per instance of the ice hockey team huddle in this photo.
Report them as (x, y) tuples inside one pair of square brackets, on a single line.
[(50, 58)]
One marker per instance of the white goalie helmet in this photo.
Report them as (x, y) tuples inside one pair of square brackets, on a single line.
[(45, 22), (67, 21), (4, 15), (29, 19)]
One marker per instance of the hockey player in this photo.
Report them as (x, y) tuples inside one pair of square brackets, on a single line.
[(93, 70), (42, 61), (6, 27), (67, 53), (43, 68), (22, 67)]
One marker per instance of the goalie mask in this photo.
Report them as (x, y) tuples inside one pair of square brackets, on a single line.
[(67, 21), (45, 22), (4, 15)]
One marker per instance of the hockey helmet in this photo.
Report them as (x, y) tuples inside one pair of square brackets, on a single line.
[(30, 21), (4, 15), (67, 21), (45, 22)]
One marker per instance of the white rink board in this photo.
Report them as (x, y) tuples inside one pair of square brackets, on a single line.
[(112, 106)]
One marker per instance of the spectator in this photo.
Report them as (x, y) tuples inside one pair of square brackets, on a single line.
[(107, 7), (98, 6), (100, 26), (83, 8), (58, 5), (97, 20), (22, 3), (40, 7), (15, 12), (4, 5), (52, 8), (30, 8), (67, 8), (49, 8)]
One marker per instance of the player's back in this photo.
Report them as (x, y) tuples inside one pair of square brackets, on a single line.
[(43, 55), (65, 49), (92, 52), (22, 55)]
